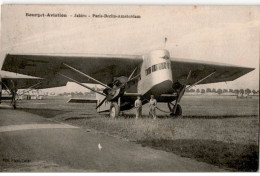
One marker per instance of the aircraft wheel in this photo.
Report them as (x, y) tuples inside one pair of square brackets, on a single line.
[(114, 110), (178, 111)]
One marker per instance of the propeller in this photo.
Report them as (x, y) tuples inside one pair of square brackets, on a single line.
[(117, 91), (110, 92)]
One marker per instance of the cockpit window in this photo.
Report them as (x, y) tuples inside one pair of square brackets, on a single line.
[(156, 67)]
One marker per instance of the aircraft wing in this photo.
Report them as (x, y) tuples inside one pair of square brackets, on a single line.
[(20, 81), (105, 67), (100, 67), (201, 69)]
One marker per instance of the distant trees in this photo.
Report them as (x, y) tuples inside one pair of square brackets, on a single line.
[(202, 91), (192, 90), (66, 93), (248, 91), (80, 94), (219, 91), (208, 90), (236, 91)]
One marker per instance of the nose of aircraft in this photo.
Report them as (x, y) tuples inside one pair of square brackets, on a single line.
[(164, 87)]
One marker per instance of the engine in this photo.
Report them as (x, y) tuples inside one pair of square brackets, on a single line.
[(177, 87), (118, 88)]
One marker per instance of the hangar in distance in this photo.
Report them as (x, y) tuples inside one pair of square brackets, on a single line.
[(123, 76)]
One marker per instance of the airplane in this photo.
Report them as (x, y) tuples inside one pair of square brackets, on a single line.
[(11, 82), (124, 77)]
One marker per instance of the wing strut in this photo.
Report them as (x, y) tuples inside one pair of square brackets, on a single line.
[(81, 84), (201, 80), (132, 74), (29, 88), (181, 93), (7, 88), (184, 88), (93, 79), (13, 93)]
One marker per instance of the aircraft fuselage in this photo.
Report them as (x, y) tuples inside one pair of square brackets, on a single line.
[(156, 74), (155, 79)]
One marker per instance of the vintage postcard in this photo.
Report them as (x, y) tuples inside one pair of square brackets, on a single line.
[(117, 88)]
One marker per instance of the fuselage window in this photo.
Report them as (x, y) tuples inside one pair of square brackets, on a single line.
[(156, 67), (160, 66), (148, 71)]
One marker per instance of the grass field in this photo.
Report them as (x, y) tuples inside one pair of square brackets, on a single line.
[(222, 131)]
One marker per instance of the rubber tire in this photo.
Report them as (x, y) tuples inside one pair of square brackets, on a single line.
[(114, 110), (178, 111)]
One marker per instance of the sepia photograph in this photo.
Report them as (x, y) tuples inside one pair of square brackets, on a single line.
[(129, 88)]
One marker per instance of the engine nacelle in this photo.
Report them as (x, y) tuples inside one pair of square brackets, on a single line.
[(117, 90)]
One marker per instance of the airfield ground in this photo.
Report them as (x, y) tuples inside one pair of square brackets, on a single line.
[(222, 131)]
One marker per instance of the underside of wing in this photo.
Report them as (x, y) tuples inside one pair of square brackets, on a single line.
[(101, 67), (201, 69), (20, 81)]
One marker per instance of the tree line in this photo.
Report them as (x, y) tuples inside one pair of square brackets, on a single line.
[(202, 91), (220, 91)]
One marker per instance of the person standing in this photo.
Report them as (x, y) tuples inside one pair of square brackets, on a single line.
[(138, 106), (152, 106), (13, 102)]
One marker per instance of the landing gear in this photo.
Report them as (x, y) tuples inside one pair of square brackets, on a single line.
[(13, 102), (114, 110), (178, 111)]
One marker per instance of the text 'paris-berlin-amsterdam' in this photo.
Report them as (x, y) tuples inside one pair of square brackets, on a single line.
[(80, 15)]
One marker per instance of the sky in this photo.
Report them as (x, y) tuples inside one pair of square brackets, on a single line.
[(227, 34)]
